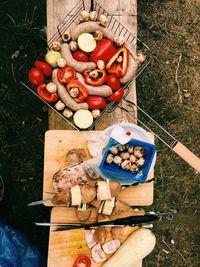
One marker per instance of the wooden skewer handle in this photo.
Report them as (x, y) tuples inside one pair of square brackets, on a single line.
[(187, 155)]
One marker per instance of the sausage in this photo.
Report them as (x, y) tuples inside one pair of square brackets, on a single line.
[(72, 62), (131, 70), (111, 246), (90, 26), (98, 254), (64, 95), (103, 90)]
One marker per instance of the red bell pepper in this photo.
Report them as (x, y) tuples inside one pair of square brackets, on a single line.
[(82, 91), (103, 51), (118, 68), (101, 78), (45, 95), (65, 74), (117, 96), (82, 261)]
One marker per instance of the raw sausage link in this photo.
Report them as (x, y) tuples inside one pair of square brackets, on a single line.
[(64, 95), (131, 70), (72, 62), (103, 90)]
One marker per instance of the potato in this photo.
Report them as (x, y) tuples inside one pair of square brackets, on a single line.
[(51, 58), (86, 42), (133, 250)]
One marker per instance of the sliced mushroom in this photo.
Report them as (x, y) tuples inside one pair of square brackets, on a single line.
[(121, 206), (96, 203), (103, 218), (115, 188), (75, 156), (62, 197), (100, 235), (88, 193), (83, 215)]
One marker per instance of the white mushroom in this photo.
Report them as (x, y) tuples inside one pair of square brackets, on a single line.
[(126, 165), (84, 16), (96, 113), (67, 113), (134, 168), (140, 57), (93, 16), (130, 149), (74, 92), (125, 155), (101, 64), (140, 162), (114, 150), (117, 160), (103, 20), (121, 148), (66, 36), (51, 88), (138, 151), (119, 40), (56, 46), (61, 62), (132, 158), (93, 74), (73, 46), (59, 105), (119, 59), (98, 35), (110, 158)]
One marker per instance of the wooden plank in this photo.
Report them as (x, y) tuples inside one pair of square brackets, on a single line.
[(58, 143), (125, 12), (66, 246)]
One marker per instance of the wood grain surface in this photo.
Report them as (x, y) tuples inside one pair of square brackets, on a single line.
[(126, 13), (66, 246), (59, 142)]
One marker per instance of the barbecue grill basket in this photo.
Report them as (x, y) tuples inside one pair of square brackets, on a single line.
[(70, 21)]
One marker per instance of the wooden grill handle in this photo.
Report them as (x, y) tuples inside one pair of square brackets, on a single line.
[(187, 155)]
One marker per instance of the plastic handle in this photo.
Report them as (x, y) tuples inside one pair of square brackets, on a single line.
[(187, 155)]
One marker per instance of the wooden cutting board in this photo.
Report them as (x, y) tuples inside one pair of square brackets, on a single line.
[(59, 142), (66, 246)]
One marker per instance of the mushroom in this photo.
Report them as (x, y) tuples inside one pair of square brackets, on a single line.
[(61, 62), (121, 206), (103, 20), (126, 165), (93, 16), (73, 46), (114, 150), (125, 155), (100, 235), (59, 105), (132, 158), (66, 36), (138, 151), (56, 46), (140, 57), (83, 215), (119, 40), (51, 88), (67, 113), (130, 149), (96, 113), (88, 193), (117, 160), (134, 168), (98, 35), (140, 162), (119, 59), (74, 92), (115, 188), (84, 16), (94, 74), (110, 158), (101, 64), (121, 148), (62, 197)]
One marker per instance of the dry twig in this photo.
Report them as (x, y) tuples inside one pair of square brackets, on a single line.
[(176, 79)]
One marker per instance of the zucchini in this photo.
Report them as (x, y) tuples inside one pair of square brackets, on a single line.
[(83, 119), (103, 191), (76, 195), (108, 206), (86, 42)]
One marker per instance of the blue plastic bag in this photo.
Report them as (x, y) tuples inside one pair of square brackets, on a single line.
[(16, 251)]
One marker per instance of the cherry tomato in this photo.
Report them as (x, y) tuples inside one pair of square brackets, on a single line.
[(65, 74), (35, 76), (80, 56), (96, 102), (82, 260), (45, 95), (44, 67), (117, 96), (113, 82)]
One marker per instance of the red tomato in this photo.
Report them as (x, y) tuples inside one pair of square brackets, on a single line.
[(113, 82), (117, 96), (44, 67), (80, 56), (35, 76), (96, 102), (65, 74), (45, 95), (82, 259)]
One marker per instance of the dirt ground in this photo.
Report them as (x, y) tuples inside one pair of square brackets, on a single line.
[(168, 90)]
